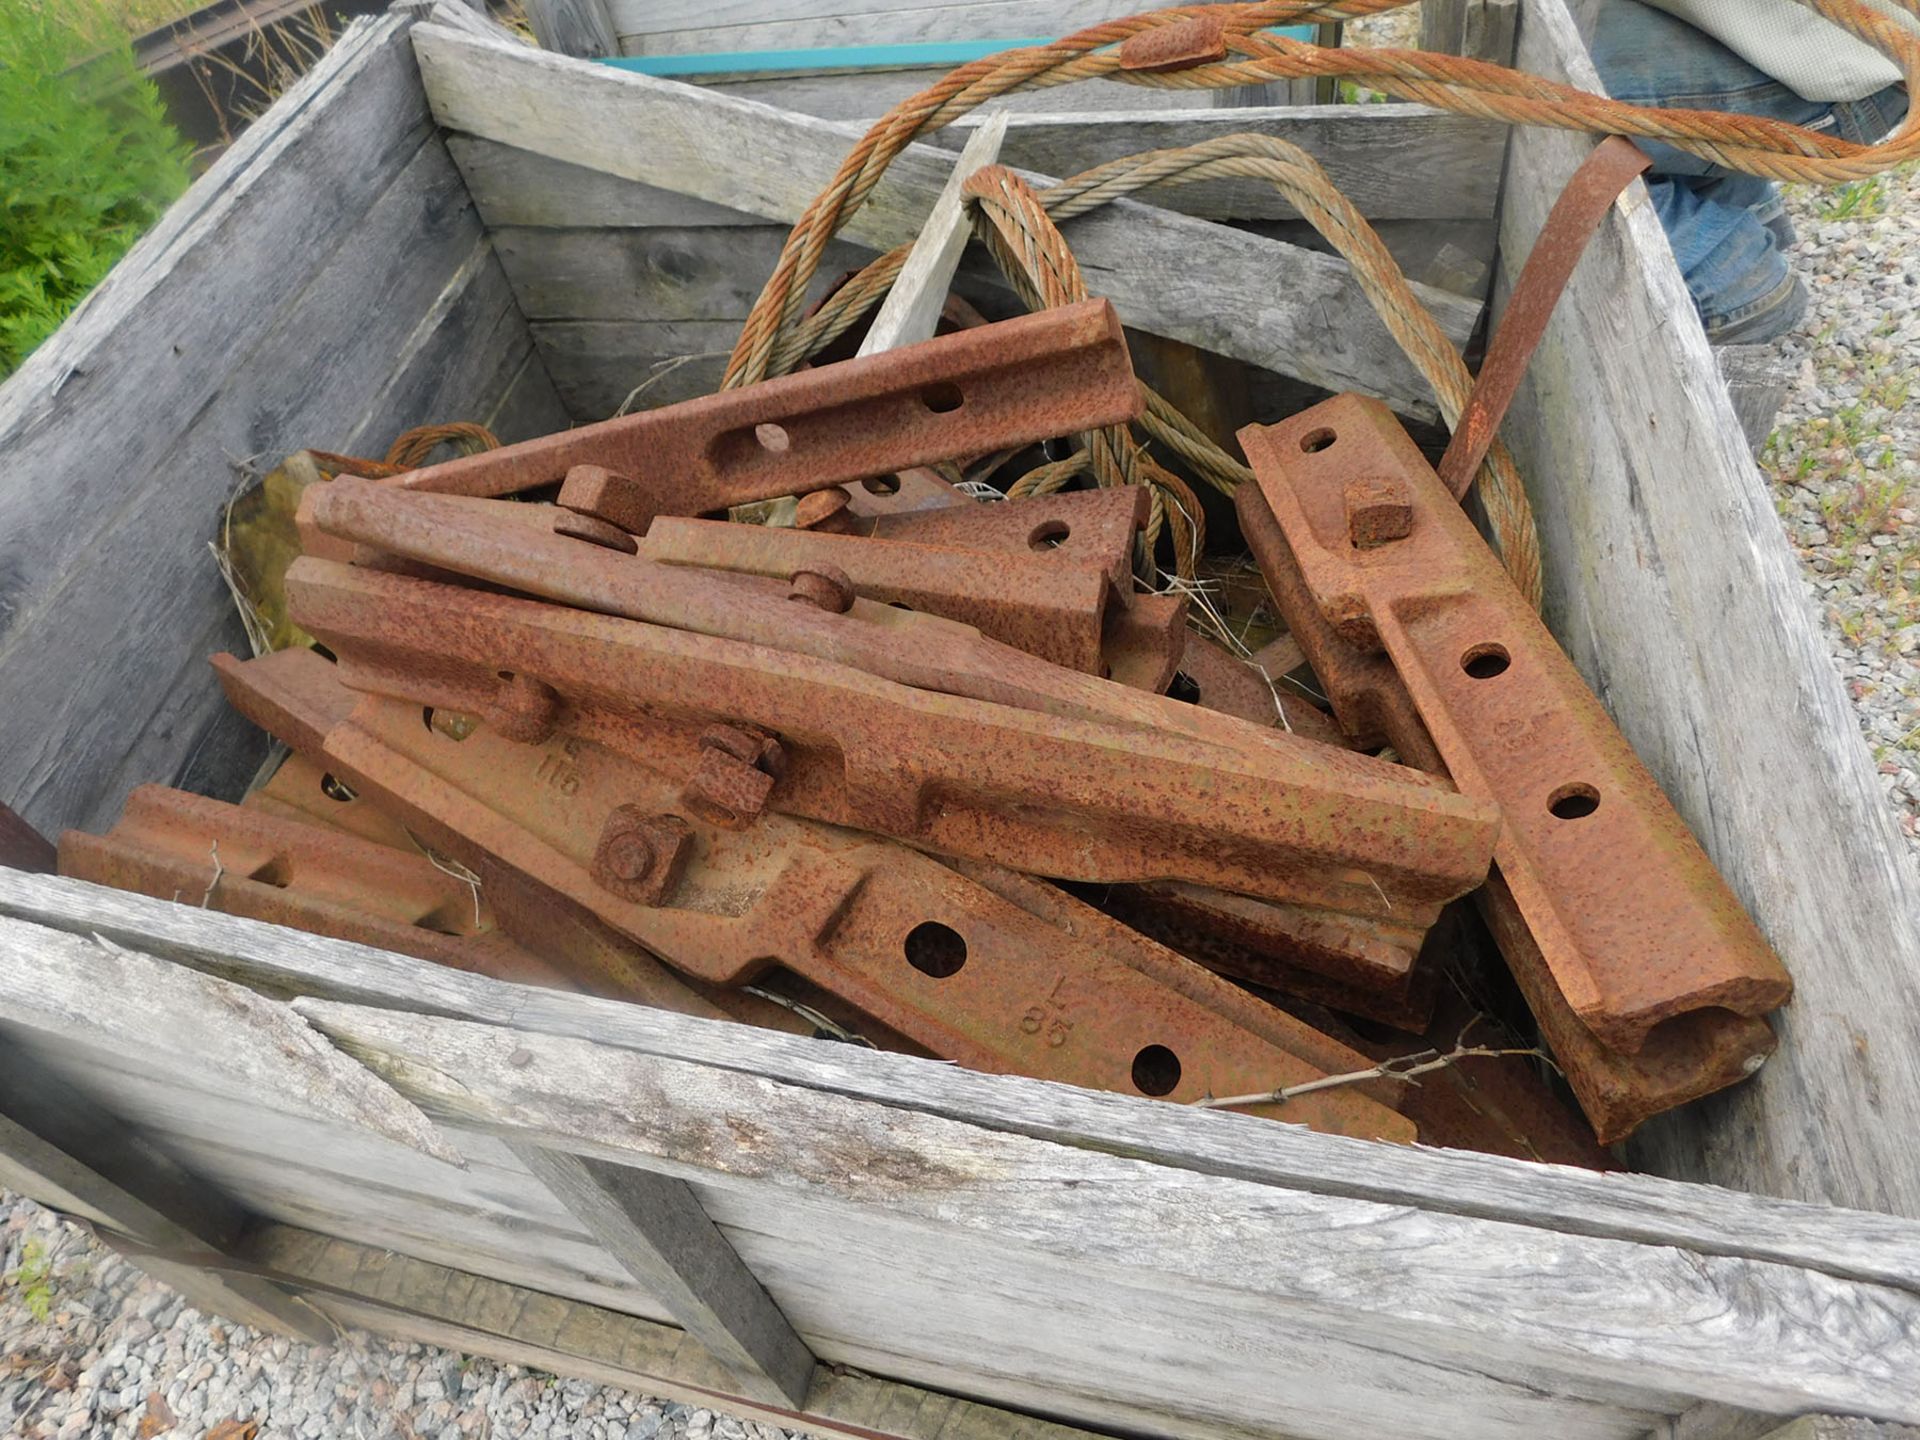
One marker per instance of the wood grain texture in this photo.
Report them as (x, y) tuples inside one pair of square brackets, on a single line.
[(1646, 1209), (653, 1227), (597, 365), (1292, 311), (326, 283), (573, 27), (1478, 29), (911, 311), (647, 27), (1672, 586), (1394, 162), (438, 1305), (1583, 1320), (60, 1149), (59, 988)]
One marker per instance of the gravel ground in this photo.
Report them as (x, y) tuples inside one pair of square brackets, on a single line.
[(90, 1347), (1845, 455)]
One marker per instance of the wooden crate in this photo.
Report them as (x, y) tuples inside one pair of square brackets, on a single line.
[(442, 224)]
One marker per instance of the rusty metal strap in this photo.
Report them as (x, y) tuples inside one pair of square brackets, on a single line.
[(1563, 240)]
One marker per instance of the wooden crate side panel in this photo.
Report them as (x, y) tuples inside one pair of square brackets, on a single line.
[(328, 283), (1647, 1210), (1265, 1272), (648, 28), (1296, 310), (1673, 588)]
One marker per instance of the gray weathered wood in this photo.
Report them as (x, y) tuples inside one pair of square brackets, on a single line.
[(59, 988), (68, 1154), (1256, 300), (1757, 380), (1394, 162), (267, 311), (1646, 1209), (911, 311), (654, 1227), (1586, 1321), (647, 27), (1478, 29), (596, 366), (573, 27), (437, 1305), (1673, 588)]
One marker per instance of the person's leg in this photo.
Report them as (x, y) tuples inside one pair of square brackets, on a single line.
[(1729, 232)]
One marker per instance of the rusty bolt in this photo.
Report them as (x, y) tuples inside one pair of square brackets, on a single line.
[(824, 510), (524, 709), (827, 586), (640, 853), (1379, 509), (748, 744), (594, 531)]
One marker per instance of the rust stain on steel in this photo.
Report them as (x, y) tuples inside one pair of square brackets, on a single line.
[(1041, 602), (296, 696), (302, 789), (1582, 205), (1177, 793), (1366, 954), (911, 491), (1055, 372), (927, 952), (1681, 1060), (1368, 700), (243, 861), (1636, 924), (1176, 45), (1273, 980), (1144, 641), (1224, 682), (1088, 527)]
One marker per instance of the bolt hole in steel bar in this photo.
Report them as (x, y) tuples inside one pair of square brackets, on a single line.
[(1049, 535), (936, 950), (1156, 1071), (1484, 662)]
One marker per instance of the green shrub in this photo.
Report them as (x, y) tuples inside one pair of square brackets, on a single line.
[(87, 162)]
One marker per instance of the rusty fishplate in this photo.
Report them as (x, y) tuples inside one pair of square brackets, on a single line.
[(1224, 682), (932, 954), (1039, 601), (1645, 974), (1223, 803), (241, 861), (1052, 373)]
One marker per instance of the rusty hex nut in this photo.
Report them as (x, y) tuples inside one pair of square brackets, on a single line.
[(827, 586), (1379, 509), (595, 491), (640, 854), (524, 709), (824, 510), (726, 791)]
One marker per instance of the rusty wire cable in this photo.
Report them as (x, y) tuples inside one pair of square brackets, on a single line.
[(776, 337)]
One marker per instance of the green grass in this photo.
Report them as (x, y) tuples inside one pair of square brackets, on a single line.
[(87, 158), (34, 1280), (1859, 200)]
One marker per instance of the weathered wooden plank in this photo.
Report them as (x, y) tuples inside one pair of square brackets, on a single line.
[(650, 28), (1394, 162), (267, 311), (862, 97), (596, 366), (1757, 380), (511, 186), (657, 274), (1290, 310), (524, 1328), (1477, 29), (654, 1228), (573, 27), (1582, 1319), (60, 1149), (61, 988), (1673, 588), (1646, 1209), (911, 311)]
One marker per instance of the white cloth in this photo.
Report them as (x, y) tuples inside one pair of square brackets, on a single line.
[(1810, 55)]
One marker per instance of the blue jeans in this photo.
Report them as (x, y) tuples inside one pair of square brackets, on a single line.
[(1717, 221)]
